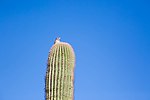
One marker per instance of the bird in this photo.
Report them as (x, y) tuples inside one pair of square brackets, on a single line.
[(57, 40)]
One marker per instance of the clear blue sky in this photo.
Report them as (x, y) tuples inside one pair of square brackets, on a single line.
[(111, 39)]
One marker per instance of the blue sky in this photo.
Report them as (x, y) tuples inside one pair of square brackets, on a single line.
[(111, 39)]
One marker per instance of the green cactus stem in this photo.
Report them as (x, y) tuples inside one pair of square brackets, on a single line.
[(59, 80)]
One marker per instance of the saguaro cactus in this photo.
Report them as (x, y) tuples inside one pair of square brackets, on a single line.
[(59, 80)]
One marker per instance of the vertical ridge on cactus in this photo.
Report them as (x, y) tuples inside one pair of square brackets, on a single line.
[(59, 80)]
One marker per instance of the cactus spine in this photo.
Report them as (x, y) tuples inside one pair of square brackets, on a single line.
[(59, 80)]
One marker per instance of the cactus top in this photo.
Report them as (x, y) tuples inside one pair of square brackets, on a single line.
[(57, 41)]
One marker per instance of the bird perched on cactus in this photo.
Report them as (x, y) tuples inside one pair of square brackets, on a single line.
[(59, 80), (57, 40)]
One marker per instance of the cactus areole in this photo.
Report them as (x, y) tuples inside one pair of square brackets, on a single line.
[(59, 80)]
